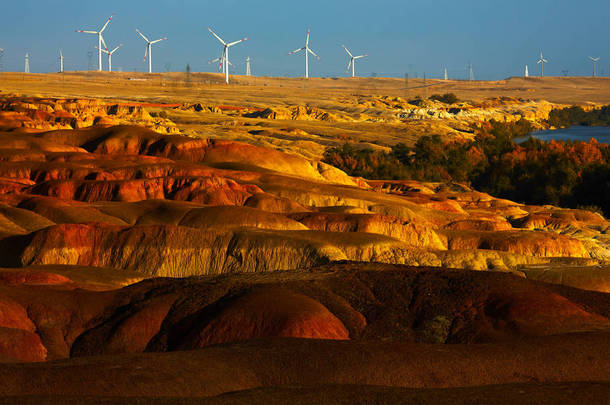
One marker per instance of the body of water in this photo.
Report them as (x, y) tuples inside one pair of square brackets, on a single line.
[(578, 133)]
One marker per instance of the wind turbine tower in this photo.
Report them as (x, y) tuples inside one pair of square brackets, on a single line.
[(61, 61), (100, 42), (470, 72), (225, 52), (527, 71), (109, 53), (248, 71), (541, 62), (148, 52), (594, 60), (1, 63), (27, 63), (307, 52), (446, 75), (352, 60)]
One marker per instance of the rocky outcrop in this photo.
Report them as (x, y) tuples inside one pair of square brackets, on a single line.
[(51, 114), (410, 232), (180, 251), (520, 242)]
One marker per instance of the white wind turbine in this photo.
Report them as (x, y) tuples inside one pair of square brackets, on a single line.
[(61, 61), (149, 45), (248, 70), (541, 62), (221, 63), (594, 60), (352, 60), (100, 42), (109, 53), (527, 71), (307, 52), (225, 52)]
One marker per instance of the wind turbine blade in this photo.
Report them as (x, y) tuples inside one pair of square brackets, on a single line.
[(348, 52), (142, 35), (313, 53), (539, 62), (116, 49), (545, 61), (103, 42), (87, 32), (103, 50), (217, 37), (159, 40), (349, 65), (145, 54), (237, 42), (296, 51), (105, 25), (360, 56), (61, 55), (307, 40)]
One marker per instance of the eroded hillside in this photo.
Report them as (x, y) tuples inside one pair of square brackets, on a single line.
[(194, 244), (130, 198)]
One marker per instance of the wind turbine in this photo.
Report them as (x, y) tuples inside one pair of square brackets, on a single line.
[(541, 62), (446, 75), (27, 63), (307, 52), (221, 63), (149, 45), (594, 60), (61, 61), (527, 71), (225, 52), (100, 42), (109, 53), (248, 71), (352, 60)]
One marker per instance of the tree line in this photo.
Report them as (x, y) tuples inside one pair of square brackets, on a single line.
[(567, 174)]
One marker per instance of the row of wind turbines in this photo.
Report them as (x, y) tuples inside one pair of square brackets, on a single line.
[(224, 62), (100, 50), (542, 61)]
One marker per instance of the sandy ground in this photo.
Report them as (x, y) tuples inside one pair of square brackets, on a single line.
[(259, 91)]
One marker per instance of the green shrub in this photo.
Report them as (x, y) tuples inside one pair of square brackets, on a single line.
[(447, 98)]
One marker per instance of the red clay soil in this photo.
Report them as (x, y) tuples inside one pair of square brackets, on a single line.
[(356, 301), (269, 312)]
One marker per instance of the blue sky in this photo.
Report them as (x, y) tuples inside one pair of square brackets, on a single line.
[(499, 36)]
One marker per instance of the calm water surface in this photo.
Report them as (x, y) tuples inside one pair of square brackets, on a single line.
[(601, 134)]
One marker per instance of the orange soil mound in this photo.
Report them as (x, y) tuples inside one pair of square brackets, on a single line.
[(21, 345), (272, 312)]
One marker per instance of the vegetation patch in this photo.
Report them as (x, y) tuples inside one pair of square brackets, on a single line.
[(568, 174)]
